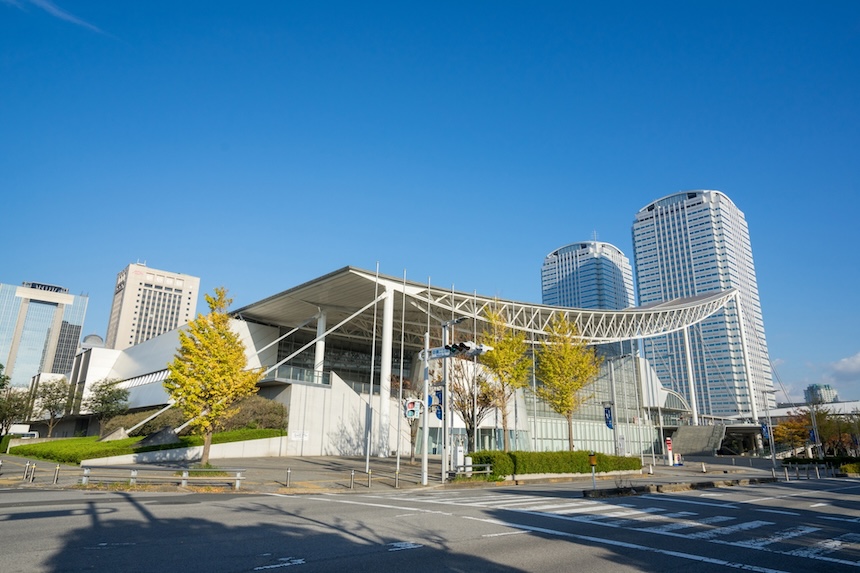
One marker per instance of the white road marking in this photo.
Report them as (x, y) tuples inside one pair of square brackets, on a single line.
[(681, 500), (632, 546), (684, 524), (284, 562), (822, 548), (505, 533), (729, 529), (778, 511), (401, 545), (777, 537)]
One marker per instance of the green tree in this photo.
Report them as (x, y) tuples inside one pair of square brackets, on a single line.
[(507, 362), (471, 396), (52, 401), (566, 367), (793, 432), (4, 380), (209, 370), (106, 400), (13, 407)]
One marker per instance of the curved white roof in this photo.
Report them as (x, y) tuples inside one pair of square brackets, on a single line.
[(348, 295)]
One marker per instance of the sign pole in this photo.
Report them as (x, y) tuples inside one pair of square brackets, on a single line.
[(425, 415)]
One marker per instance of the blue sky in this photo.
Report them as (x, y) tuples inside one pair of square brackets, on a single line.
[(258, 145)]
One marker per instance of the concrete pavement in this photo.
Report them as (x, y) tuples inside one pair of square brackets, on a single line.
[(294, 475)]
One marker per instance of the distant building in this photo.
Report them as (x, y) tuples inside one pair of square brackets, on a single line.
[(590, 274), (40, 330), (148, 302), (820, 394), (691, 244)]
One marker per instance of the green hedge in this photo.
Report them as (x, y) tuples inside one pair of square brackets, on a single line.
[(851, 468), (835, 461), (520, 463)]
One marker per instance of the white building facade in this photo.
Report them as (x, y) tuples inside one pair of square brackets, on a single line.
[(697, 243), (149, 302), (590, 274)]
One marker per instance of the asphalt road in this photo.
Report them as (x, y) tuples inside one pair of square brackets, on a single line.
[(797, 526)]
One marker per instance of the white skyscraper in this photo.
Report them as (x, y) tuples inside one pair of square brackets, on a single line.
[(148, 302), (692, 243), (590, 274)]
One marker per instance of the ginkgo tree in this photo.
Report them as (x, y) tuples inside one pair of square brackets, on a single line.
[(209, 371), (566, 367), (508, 363)]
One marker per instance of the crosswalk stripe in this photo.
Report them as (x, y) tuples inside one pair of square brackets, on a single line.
[(826, 546), (745, 526), (777, 537), (684, 524)]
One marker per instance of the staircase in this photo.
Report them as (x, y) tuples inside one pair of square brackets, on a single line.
[(698, 440)]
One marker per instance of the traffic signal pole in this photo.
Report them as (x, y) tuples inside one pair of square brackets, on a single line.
[(425, 444)]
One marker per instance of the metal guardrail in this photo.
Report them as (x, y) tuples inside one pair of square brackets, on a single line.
[(469, 469), (159, 475)]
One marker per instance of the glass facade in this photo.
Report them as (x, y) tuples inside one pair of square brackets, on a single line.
[(40, 330), (689, 244), (587, 275)]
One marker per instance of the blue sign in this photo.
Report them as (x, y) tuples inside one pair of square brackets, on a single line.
[(607, 414), (764, 432), (439, 413)]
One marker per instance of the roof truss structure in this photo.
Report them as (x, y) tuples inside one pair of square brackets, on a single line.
[(343, 294)]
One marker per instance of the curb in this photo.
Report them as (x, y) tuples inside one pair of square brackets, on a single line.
[(673, 487)]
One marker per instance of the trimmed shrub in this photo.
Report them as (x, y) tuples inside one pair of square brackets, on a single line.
[(850, 468), (502, 464), (255, 412), (564, 462), (171, 417)]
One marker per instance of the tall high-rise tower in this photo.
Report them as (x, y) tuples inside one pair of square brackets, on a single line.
[(689, 244), (590, 274), (148, 302), (40, 330)]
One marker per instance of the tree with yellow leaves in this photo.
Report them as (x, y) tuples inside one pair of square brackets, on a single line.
[(209, 370), (566, 366), (507, 362)]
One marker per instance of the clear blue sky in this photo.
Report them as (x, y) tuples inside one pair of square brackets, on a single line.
[(258, 145)]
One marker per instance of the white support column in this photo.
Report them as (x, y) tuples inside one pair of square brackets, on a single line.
[(385, 354), (746, 358), (691, 380), (319, 348)]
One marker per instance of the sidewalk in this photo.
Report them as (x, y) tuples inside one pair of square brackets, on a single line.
[(294, 475)]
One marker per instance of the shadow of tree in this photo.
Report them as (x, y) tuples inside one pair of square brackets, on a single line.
[(131, 534)]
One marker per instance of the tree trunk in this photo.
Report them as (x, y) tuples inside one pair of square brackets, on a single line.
[(506, 439), (570, 431), (207, 442)]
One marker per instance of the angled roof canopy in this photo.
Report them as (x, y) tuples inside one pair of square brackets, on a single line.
[(347, 295)]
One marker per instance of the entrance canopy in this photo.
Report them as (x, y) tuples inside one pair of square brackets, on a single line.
[(351, 299)]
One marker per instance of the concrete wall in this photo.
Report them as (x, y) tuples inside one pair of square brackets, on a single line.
[(331, 421)]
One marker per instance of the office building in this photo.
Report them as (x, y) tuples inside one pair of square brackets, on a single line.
[(820, 394), (148, 302), (590, 274), (697, 243), (40, 330)]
